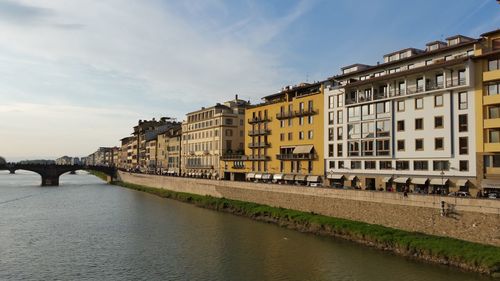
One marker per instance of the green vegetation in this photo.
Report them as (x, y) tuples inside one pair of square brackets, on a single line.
[(468, 255), (98, 174)]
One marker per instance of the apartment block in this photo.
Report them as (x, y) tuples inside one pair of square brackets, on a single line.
[(487, 109), (168, 151), (209, 133), (405, 124), (284, 138)]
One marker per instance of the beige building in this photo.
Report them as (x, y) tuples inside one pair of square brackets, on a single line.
[(209, 133)]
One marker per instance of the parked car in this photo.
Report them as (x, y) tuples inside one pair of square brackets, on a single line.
[(493, 195), (314, 184), (460, 194)]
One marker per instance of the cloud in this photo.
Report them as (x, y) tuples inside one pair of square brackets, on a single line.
[(146, 58)]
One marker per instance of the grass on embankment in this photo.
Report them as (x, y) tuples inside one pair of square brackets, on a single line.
[(444, 250), (98, 174)]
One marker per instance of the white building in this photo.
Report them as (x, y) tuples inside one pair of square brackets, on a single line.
[(407, 123)]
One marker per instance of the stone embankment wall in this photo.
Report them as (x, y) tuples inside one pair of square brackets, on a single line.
[(473, 220)]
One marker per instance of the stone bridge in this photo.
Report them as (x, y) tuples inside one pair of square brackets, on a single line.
[(50, 173)]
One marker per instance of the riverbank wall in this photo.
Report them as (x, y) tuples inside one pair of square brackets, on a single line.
[(475, 220)]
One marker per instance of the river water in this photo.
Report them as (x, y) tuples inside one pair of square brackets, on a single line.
[(88, 230)]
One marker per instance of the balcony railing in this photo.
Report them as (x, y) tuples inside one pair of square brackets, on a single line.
[(299, 156), (258, 158), (232, 157), (199, 166), (305, 112), (258, 120), (284, 115), (258, 144), (259, 132)]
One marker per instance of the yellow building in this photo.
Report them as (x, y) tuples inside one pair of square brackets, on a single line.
[(284, 138), (487, 88)]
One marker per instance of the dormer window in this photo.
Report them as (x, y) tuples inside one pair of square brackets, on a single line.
[(393, 57), (454, 41), (433, 47)]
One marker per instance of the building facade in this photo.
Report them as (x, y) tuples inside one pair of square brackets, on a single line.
[(209, 133), (284, 138), (487, 99), (404, 124)]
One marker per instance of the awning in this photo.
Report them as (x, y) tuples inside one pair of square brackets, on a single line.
[(437, 181), (300, 177), (289, 177), (462, 182), (386, 179), (258, 176), (266, 176), (303, 149), (487, 183), (335, 176), (215, 175), (278, 176), (400, 180), (250, 175), (313, 178), (419, 180), (352, 177)]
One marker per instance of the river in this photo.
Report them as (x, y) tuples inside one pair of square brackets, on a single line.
[(88, 230)]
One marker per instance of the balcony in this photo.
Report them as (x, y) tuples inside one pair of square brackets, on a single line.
[(492, 147), (491, 75), (284, 115), (258, 145), (299, 156), (258, 120), (305, 112), (491, 123), (199, 166), (493, 99), (258, 158), (259, 132), (232, 157)]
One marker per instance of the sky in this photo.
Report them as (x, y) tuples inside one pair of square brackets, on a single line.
[(76, 75)]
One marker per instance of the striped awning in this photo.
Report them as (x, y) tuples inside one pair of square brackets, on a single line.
[(335, 176), (387, 179), (289, 177), (300, 177), (352, 177), (258, 176), (400, 180), (303, 149), (488, 183), (438, 181), (278, 176), (419, 180), (250, 175), (462, 182), (266, 176), (313, 178)]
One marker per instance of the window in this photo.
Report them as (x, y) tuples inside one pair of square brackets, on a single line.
[(419, 124), (330, 118), (420, 84), (229, 133), (438, 122), (310, 134), (353, 148), (310, 105), (419, 144), (402, 88), (494, 135), (419, 103), (438, 143), (383, 147), (330, 150), (463, 145), (370, 165), (331, 164), (340, 117), (493, 64), (439, 81), (383, 109), (310, 119), (354, 113), (447, 58), (330, 102), (282, 123), (462, 123), (438, 100), (355, 164), (420, 165), (402, 165), (428, 62), (339, 150), (301, 120), (354, 131), (401, 145), (282, 136), (340, 133), (385, 165), (462, 100), (367, 112), (401, 105), (301, 135), (440, 165), (463, 165), (341, 164), (494, 112), (229, 121), (401, 125), (330, 134), (290, 136), (493, 89), (383, 128), (367, 147), (461, 77), (340, 100), (368, 130)]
